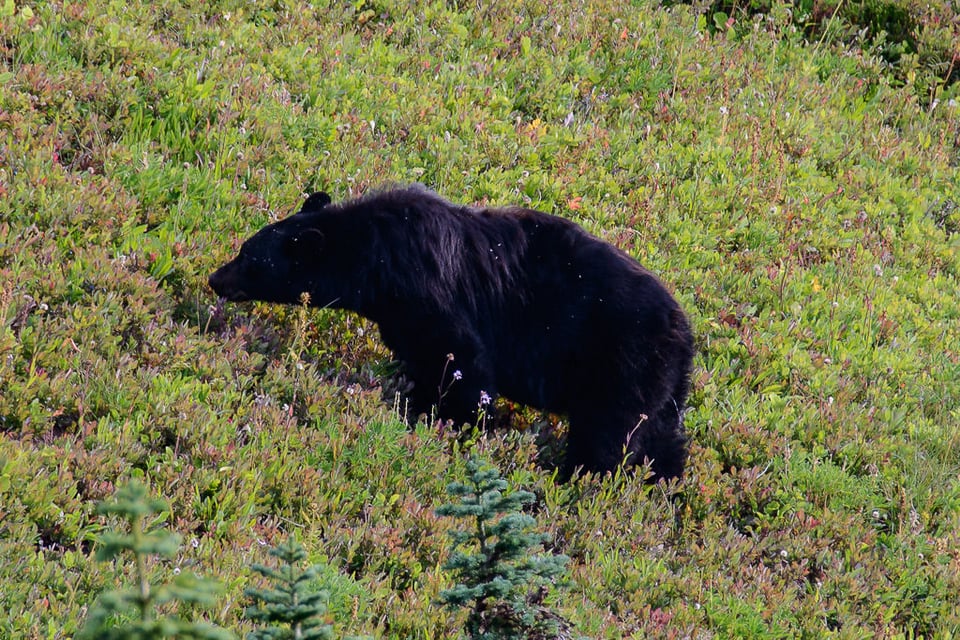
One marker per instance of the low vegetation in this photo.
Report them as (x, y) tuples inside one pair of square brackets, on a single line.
[(795, 183)]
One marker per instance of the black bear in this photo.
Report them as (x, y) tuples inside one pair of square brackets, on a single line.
[(530, 306)]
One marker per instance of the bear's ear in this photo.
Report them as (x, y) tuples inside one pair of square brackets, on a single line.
[(315, 201), (306, 244)]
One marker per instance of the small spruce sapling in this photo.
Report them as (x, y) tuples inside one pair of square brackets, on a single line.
[(139, 604), (501, 581), (292, 603)]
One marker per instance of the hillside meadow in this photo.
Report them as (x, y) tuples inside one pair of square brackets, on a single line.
[(797, 189)]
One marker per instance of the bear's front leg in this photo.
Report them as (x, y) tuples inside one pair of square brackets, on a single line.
[(463, 403), (453, 389)]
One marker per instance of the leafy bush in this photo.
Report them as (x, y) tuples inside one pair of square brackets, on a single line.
[(919, 40)]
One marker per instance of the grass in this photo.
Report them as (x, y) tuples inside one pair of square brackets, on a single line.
[(800, 198)]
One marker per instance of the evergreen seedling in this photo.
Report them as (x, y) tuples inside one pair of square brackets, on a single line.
[(133, 505), (292, 603), (500, 580)]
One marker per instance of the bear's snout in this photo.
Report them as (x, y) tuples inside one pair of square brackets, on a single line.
[(216, 281), (224, 285)]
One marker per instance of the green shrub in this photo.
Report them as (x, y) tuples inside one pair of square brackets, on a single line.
[(293, 608), (131, 614), (499, 579)]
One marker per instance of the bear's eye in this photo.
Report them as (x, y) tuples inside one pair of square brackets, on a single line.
[(306, 244)]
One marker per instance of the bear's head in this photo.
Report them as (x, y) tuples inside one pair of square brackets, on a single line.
[(282, 261)]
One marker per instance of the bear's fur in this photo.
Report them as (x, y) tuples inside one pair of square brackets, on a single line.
[(531, 307)]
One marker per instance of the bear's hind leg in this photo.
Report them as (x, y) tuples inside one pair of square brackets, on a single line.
[(601, 443), (662, 440), (595, 443)]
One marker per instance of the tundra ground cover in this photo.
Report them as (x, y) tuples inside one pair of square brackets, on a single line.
[(801, 199)]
